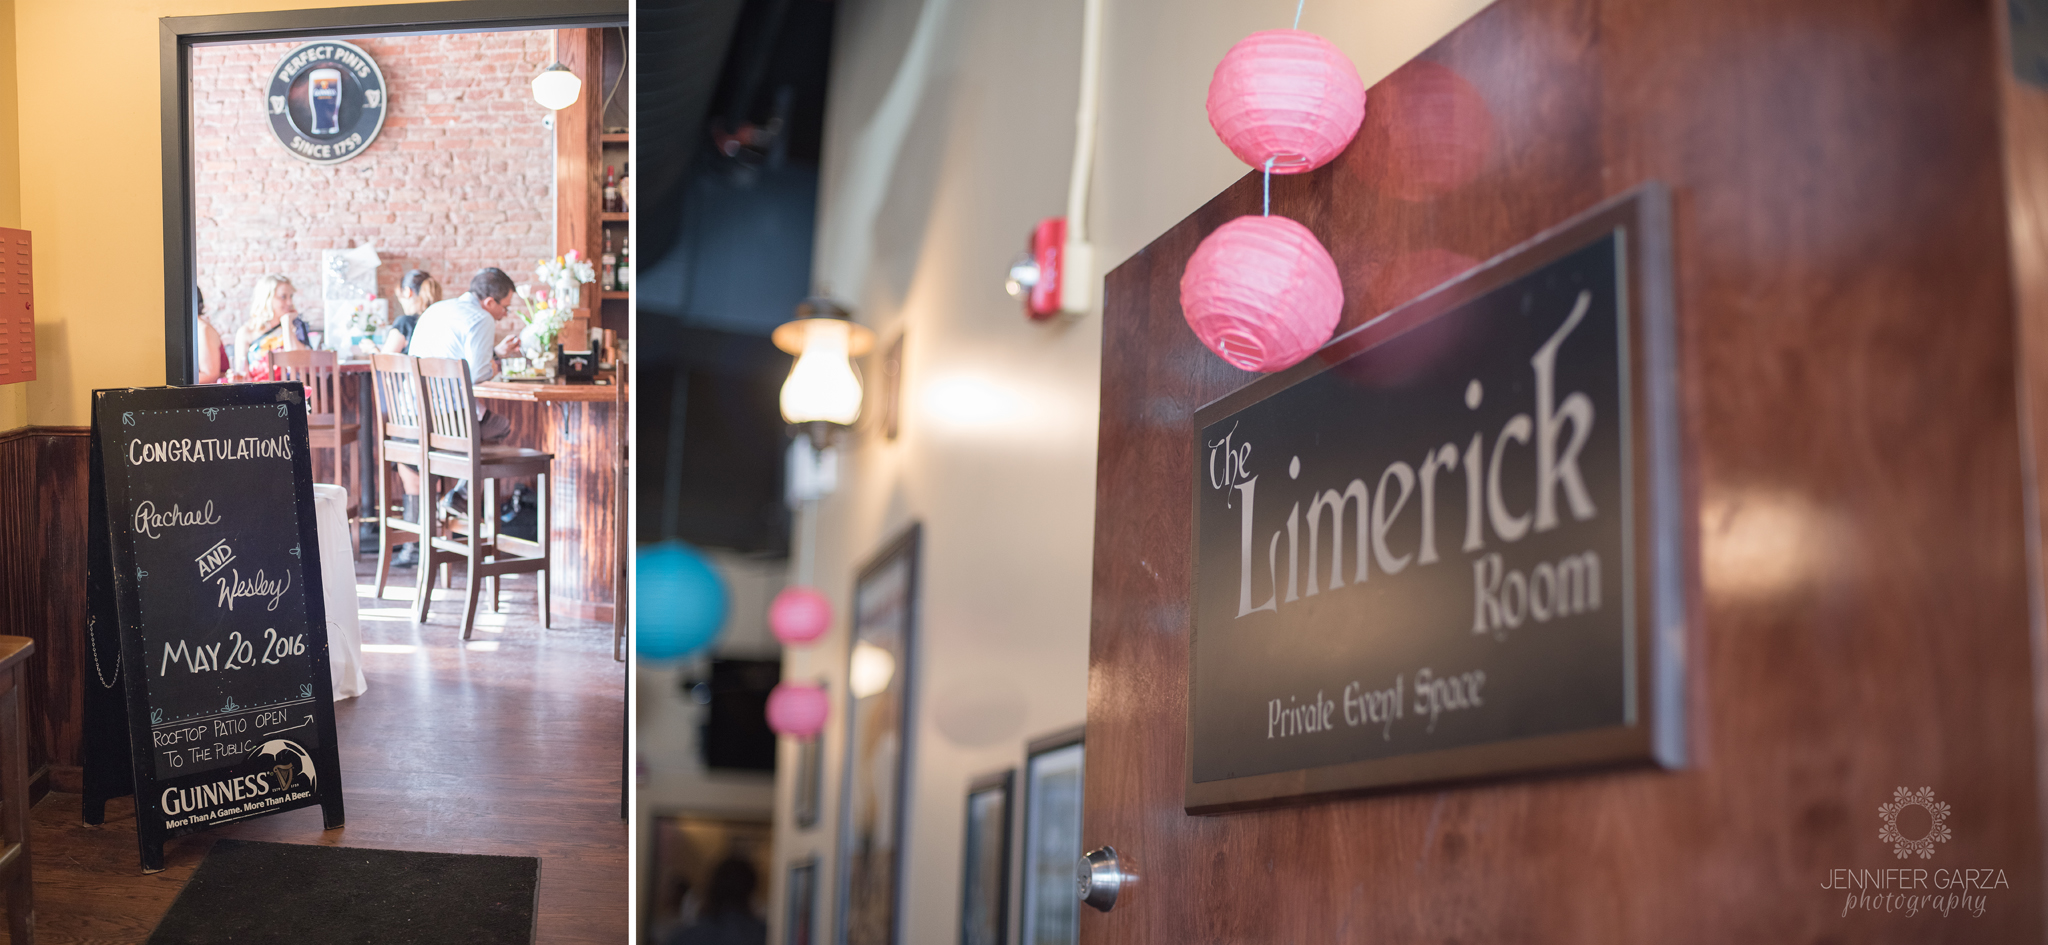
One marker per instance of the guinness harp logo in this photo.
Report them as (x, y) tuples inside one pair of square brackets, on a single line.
[(288, 760)]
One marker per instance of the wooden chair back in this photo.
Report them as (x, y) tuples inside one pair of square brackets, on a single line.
[(320, 373), (399, 397), (450, 406)]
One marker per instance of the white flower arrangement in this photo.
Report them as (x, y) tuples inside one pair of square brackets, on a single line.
[(548, 307)]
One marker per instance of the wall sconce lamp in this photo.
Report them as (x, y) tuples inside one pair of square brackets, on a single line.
[(556, 87), (823, 393)]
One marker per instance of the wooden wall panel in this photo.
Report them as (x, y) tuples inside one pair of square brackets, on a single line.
[(42, 588), (1860, 618), (20, 576), (579, 181)]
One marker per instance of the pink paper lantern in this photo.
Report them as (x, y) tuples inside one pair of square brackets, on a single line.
[(798, 709), (799, 615), (1262, 293), (1288, 96)]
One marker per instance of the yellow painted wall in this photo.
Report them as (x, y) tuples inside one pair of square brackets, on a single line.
[(86, 177), (13, 397)]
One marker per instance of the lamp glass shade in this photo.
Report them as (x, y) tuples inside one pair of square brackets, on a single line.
[(557, 87), (822, 385)]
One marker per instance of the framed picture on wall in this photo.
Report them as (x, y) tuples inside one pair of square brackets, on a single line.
[(985, 870), (1052, 839), (801, 903), (878, 714), (810, 776)]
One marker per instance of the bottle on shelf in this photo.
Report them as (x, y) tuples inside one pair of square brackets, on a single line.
[(626, 188), (611, 190), (624, 273), (609, 265)]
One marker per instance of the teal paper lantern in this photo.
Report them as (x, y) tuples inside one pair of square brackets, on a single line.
[(681, 602)]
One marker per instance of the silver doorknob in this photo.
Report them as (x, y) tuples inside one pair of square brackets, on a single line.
[(1101, 876)]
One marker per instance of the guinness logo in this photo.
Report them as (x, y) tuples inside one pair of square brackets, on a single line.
[(326, 101)]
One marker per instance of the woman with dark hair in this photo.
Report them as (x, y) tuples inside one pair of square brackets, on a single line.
[(416, 291), (211, 353), (727, 916)]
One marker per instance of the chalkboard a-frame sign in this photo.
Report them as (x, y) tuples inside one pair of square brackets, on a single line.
[(206, 623), (1449, 546)]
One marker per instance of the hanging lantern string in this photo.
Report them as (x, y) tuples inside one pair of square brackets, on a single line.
[(1298, 4)]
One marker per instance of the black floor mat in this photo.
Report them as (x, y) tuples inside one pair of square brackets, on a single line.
[(249, 892)]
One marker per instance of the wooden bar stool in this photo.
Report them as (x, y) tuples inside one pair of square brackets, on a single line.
[(14, 858), (455, 451), (320, 373), (401, 425)]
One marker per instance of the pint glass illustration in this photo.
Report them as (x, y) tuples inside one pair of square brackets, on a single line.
[(324, 90)]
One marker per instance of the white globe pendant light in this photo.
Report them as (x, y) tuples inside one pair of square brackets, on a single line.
[(556, 87)]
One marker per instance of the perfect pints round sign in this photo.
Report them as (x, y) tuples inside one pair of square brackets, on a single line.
[(326, 101)]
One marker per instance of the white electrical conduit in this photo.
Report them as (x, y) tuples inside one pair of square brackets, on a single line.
[(1077, 283), (1084, 121)]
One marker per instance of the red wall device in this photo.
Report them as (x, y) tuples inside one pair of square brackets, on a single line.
[(18, 309), (1046, 243)]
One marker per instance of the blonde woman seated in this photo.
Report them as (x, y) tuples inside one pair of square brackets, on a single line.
[(274, 325), (416, 291)]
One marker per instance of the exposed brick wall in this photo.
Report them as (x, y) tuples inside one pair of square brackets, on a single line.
[(460, 177)]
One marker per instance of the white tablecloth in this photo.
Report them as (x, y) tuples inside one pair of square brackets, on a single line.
[(338, 583)]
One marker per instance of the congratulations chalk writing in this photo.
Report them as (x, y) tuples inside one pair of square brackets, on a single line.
[(208, 450)]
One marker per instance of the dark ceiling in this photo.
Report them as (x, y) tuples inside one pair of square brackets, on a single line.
[(716, 66), (731, 118)]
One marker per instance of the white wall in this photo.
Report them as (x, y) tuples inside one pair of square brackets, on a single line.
[(948, 135)]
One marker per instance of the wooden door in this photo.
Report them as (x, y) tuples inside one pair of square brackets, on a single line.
[(1858, 585)]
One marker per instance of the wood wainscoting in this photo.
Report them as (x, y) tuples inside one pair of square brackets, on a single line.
[(42, 590), (587, 438)]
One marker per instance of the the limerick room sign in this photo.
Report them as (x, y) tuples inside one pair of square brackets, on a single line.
[(1448, 546)]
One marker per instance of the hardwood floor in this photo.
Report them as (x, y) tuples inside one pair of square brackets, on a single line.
[(508, 745)]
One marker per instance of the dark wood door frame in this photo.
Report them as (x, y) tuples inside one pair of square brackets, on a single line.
[(176, 35)]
